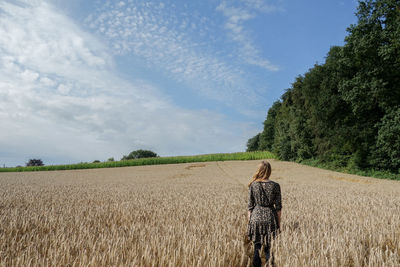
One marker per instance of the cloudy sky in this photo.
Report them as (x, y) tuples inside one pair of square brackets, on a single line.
[(82, 80)]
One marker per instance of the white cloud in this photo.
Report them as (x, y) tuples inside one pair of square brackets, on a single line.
[(63, 89), (46, 82), (236, 16), (60, 98), (180, 45), (263, 5), (29, 76)]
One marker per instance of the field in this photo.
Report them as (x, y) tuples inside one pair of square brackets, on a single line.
[(147, 161), (193, 214)]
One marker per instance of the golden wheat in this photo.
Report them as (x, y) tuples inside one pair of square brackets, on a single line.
[(193, 215)]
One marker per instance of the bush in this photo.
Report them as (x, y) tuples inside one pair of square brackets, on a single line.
[(35, 162), (138, 154)]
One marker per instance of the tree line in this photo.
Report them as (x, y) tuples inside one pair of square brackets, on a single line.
[(345, 111), (137, 154)]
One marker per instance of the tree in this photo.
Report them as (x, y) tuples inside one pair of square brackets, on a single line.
[(387, 149), (346, 111), (35, 162), (137, 154), (253, 143), (266, 139), (282, 145), (371, 77)]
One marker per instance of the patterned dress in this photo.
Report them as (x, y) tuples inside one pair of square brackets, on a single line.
[(264, 201)]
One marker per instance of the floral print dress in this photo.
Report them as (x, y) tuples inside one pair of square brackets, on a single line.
[(264, 200)]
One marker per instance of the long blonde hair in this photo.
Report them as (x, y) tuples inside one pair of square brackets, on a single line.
[(263, 172)]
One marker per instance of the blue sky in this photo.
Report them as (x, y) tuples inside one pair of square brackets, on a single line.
[(85, 80)]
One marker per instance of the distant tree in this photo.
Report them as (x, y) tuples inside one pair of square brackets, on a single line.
[(253, 143), (34, 162), (137, 154), (110, 159), (96, 161)]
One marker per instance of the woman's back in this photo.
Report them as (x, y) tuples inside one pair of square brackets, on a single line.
[(265, 193), (264, 201), (264, 209)]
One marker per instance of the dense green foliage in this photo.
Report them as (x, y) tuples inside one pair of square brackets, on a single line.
[(253, 143), (150, 161), (345, 112), (34, 162), (140, 154)]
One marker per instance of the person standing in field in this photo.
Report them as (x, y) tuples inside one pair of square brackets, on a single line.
[(264, 211)]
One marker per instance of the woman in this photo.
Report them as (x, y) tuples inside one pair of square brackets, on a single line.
[(264, 210)]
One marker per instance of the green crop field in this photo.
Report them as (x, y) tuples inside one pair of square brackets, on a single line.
[(149, 161)]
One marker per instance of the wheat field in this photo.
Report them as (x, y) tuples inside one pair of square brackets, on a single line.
[(193, 214)]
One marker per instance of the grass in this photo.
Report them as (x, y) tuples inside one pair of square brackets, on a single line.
[(149, 161), (352, 170)]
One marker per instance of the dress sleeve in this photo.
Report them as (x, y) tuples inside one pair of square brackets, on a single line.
[(251, 202), (278, 198)]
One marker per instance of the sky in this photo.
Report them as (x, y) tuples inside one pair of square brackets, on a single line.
[(85, 80)]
